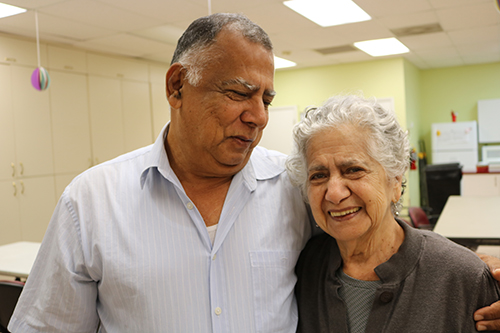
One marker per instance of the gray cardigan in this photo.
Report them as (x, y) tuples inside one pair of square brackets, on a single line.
[(430, 285)]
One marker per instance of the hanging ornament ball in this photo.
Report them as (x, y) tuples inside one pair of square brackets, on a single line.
[(40, 79)]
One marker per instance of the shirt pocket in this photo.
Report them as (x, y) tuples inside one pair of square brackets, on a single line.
[(273, 281)]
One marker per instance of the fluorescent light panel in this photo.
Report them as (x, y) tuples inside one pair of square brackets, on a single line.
[(283, 63), (382, 47), (9, 10), (327, 13)]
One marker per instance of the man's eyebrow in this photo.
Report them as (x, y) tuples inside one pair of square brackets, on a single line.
[(247, 85)]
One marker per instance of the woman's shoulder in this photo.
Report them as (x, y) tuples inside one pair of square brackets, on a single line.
[(439, 250)]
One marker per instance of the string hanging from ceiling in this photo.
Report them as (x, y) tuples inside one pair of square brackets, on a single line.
[(40, 78)]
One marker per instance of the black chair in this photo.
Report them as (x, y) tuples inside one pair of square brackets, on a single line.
[(442, 180), (9, 294)]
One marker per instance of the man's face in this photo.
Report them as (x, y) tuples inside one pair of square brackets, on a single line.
[(222, 118)]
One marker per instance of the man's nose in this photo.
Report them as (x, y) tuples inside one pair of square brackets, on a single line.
[(256, 114)]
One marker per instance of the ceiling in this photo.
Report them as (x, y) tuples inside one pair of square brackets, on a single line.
[(449, 33)]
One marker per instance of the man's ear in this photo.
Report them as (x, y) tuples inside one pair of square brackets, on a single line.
[(173, 83)]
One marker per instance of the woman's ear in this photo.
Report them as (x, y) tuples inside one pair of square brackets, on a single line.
[(173, 84), (397, 189)]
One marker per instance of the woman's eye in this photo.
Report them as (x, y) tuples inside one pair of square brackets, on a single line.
[(316, 176), (354, 170)]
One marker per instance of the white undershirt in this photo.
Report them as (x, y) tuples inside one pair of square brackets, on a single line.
[(211, 232)]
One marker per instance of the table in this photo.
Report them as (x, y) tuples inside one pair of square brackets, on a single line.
[(471, 220), (17, 258)]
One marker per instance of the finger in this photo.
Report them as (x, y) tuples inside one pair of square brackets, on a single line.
[(493, 263), (489, 313), (488, 325)]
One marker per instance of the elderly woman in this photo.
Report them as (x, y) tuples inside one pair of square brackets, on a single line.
[(371, 272)]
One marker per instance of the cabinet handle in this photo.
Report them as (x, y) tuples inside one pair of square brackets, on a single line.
[(68, 67), (22, 187), (22, 168), (10, 59), (15, 188), (13, 169)]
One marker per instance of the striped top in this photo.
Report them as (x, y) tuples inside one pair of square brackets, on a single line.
[(126, 246)]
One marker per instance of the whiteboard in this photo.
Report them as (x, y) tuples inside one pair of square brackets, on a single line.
[(488, 119), (278, 132)]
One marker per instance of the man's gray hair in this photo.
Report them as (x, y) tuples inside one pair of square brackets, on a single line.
[(387, 143), (192, 46)]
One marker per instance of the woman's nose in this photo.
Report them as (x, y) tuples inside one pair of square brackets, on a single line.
[(337, 190)]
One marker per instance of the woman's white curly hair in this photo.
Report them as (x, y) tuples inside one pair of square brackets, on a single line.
[(388, 143)]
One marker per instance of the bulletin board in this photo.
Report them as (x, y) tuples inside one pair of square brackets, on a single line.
[(488, 119), (278, 132)]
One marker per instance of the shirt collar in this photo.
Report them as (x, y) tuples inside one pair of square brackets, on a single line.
[(262, 165)]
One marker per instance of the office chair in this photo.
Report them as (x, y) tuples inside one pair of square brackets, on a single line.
[(9, 294), (419, 218), (442, 180)]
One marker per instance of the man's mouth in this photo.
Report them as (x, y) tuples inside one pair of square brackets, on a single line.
[(345, 212), (243, 139)]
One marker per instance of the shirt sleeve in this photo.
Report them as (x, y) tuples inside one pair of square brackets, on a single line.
[(59, 295)]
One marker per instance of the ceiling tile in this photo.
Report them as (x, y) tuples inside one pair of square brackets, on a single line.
[(426, 41), (469, 16), (381, 8), (474, 35), (100, 15), (131, 45)]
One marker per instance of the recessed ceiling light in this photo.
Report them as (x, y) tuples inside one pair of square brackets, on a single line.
[(9, 10), (282, 63), (382, 47), (327, 13)]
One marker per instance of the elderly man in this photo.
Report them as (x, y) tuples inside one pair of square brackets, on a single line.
[(199, 232)]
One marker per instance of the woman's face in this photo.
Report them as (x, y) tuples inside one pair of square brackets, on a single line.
[(349, 193)]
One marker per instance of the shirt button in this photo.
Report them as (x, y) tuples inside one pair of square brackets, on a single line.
[(218, 311), (386, 297), (190, 205)]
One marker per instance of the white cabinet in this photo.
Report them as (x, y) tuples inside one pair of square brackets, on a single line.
[(159, 103), (106, 118), (70, 122), (32, 127), (120, 113), (137, 125), (66, 59), (21, 52), (26, 206), (37, 200), (9, 212), (7, 136), (480, 184)]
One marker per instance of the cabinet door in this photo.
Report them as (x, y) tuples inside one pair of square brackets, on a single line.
[(7, 142), (32, 125), (66, 59), (160, 107), (137, 124), (106, 120), (9, 212), (21, 52), (480, 185), (37, 202), (70, 122)]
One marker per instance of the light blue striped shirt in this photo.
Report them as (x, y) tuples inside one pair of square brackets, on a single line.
[(127, 247)]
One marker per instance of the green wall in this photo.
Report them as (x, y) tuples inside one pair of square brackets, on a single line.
[(457, 89), (421, 97)]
